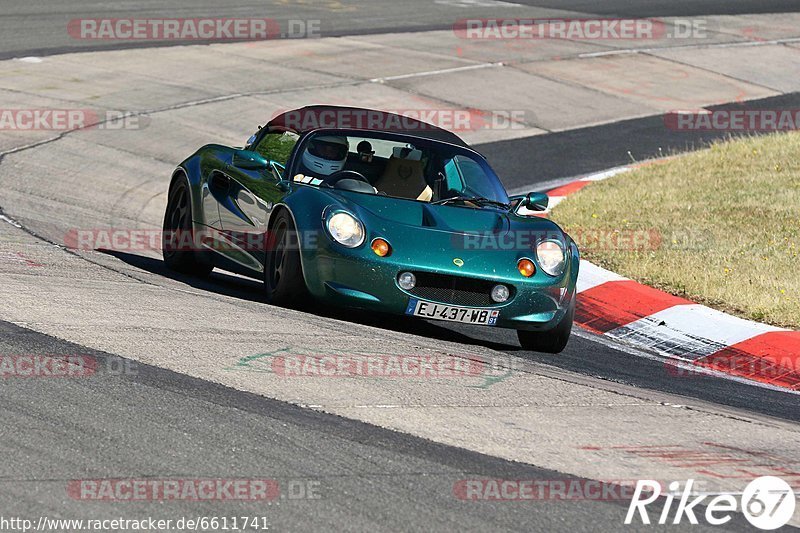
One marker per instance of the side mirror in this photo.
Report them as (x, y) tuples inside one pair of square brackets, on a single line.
[(533, 201), (248, 160), (537, 201)]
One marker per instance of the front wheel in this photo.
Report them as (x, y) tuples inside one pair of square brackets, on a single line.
[(283, 273), (550, 341)]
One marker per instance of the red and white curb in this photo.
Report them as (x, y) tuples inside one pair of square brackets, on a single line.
[(690, 335)]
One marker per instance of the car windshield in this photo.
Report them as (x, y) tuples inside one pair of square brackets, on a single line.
[(401, 167)]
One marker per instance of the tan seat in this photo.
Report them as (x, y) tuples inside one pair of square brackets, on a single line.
[(404, 178)]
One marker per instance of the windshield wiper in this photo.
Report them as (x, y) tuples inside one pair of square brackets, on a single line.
[(480, 200)]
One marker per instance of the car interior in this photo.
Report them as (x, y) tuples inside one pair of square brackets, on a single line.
[(376, 165), (402, 170)]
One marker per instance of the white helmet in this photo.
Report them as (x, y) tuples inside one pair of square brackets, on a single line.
[(326, 154)]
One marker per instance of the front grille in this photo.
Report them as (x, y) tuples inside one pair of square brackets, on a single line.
[(455, 290)]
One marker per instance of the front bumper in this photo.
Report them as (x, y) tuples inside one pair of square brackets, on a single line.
[(358, 278)]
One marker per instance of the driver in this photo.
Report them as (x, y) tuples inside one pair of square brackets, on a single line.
[(325, 155)]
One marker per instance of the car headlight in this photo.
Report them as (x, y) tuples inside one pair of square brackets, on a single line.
[(552, 257), (345, 229)]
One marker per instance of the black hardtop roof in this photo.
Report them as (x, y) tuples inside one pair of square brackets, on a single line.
[(310, 118)]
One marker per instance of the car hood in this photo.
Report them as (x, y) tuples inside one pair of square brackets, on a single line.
[(386, 211), (449, 239)]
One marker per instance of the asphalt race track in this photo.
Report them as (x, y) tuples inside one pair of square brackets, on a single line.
[(373, 466), (365, 477), (35, 28)]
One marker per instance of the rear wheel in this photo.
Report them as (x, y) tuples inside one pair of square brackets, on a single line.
[(550, 341), (283, 273), (177, 244)]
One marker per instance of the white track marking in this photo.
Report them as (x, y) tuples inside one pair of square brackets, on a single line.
[(466, 4), (689, 46), (690, 331), (591, 275), (436, 72)]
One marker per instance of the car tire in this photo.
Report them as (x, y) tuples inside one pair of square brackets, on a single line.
[(177, 225), (550, 341), (283, 273)]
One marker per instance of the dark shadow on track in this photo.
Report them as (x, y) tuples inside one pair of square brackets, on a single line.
[(251, 290), (218, 282), (526, 161)]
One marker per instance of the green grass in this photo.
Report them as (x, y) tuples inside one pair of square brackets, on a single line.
[(728, 218), (277, 147)]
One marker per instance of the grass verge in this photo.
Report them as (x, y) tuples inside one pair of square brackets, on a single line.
[(719, 226)]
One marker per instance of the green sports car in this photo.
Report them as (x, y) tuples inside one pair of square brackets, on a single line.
[(377, 211)]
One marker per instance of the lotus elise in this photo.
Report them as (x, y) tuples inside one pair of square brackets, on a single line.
[(372, 210)]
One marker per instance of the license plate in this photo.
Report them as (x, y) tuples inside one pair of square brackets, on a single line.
[(452, 313)]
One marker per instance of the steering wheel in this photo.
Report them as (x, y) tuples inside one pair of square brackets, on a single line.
[(336, 177)]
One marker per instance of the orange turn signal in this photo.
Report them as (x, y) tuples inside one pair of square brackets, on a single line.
[(526, 267), (381, 247)]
